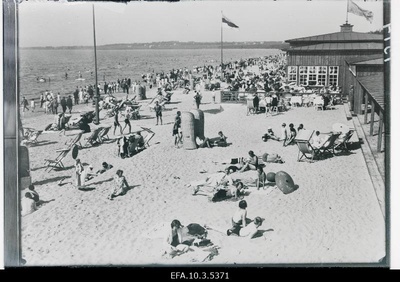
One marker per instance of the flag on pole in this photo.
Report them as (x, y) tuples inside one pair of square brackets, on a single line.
[(228, 22), (355, 9)]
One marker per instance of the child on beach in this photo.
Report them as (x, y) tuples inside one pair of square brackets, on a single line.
[(239, 218), (78, 172), (28, 204), (158, 110), (177, 130), (291, 136), (33, 106), (116, 121), (121, 185), (262, 178), (283, 134), (250, 230), (127, 120)]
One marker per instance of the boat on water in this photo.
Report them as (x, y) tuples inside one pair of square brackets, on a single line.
[(41, 79)]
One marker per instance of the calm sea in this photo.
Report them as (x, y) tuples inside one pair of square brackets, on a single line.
[(111, 65)]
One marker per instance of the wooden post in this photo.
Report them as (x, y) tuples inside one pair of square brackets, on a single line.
[(365, 106), (371, 126), (380, 130)]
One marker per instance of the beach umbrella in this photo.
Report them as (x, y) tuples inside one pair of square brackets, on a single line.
[(285, 182)]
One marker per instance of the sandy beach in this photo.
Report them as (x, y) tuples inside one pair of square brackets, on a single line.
[(333, 217)]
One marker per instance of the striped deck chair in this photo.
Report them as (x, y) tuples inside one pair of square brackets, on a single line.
[(57, 162), (341, 142), (329, 146), (306, 151), (103, 135), (148, 137), (93, 138)]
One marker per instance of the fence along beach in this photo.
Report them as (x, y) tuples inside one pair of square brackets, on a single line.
[(333, 216)]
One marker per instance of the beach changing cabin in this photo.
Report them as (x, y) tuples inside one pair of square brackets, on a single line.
[(321, 60)]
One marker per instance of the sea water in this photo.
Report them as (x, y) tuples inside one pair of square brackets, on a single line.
[(53, 65)]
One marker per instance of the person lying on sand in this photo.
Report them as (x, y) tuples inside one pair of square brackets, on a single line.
[(212, 181), (120, 187), (221, 192), (248, 231), (105, 167)]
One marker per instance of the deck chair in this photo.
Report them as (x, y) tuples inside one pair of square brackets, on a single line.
[(74, 141), (57, 162), (31, 137), (147, 138), (133, 146), (103, 135), (94, 137), (306, 151), (341, 141), (329, 145)]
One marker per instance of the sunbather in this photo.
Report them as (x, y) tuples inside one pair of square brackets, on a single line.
[(248, 231), (203, 142), (251, 163), (291, 136), (262, 178), (239, 218), (221, 141), (105, 167), (270, 135), (173, 243)]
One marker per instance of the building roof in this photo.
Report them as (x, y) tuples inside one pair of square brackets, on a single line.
[(339, 46), (374, 85), (368, 60), (339, 37), (371, 62)]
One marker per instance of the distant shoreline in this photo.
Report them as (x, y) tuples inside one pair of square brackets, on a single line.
[(173, 45)]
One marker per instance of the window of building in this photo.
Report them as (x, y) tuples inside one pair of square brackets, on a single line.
[(303, 76), (322, 71), (312, 75), (333, 75), (292, 77)]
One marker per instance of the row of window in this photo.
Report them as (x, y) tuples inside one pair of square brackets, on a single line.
[(314, 75)]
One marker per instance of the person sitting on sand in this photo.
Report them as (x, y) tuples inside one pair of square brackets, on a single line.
[(174, 240), (121, 185), (87, 174), (262, 178), (251, 163), (221, 141), (28, 204), (291, 136), (270, 135), (34, 194), (239, 218), (203, 142), (250, 230), (105, 167)]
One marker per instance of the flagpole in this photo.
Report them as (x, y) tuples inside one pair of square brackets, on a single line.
[(97, 119), (222, 46), (347, 13)]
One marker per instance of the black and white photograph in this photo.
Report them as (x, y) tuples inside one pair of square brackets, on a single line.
[(200, 133)]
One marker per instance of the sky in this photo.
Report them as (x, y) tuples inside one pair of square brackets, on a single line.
[(71, 24)]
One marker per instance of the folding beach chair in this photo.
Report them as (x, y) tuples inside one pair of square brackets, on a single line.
[(103, 135), (329, 145), (341, 141), (147, 138), (57, 162), (75, 141), (94, 137), (306, 151), (30, 136)]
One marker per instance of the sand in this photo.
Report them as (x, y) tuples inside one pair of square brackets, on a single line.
[(333, 217)]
